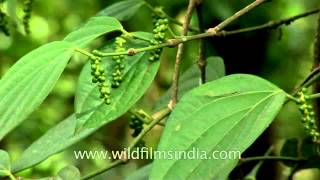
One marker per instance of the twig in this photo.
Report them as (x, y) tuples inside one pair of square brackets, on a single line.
[(271, 24), (147, 119), (272, 158), (253, 173), (236, 16), (182, 39), (157, 118), (176, 73), (307, 81), (314, 96), (202, 57)]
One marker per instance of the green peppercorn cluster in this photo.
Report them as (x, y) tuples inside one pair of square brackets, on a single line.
[(117, 73), (136, 124), (99, 78), (159, 32), (308, 115), (4, 23), (27, 9)]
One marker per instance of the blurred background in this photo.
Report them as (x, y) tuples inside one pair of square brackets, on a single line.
[(284, 56)]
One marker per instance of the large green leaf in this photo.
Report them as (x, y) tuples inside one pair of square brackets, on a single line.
[(122, 10), (5, 164), (53, 141), (29, 81), (223, 115), (138, 75), (62, 135), (95, 27), (190, 79)]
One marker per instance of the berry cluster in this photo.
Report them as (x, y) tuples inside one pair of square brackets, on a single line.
[(4, 23), (159, 31), (27, 9), (119, 61), (308, 119), (136, 124), (99, 77)]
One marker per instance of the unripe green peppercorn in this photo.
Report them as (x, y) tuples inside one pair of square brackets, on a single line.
[(27, 9), (160, 27), (4, 23), (308, 115), (98, 77), (119, 62)]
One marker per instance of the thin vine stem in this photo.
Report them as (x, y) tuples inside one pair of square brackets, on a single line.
[(84, 52), (253, 173), (271, 24), (272, 158), (176, 73), (236, 16), (182, 39), (146, 120), (202, 63), (157, 118), (314, 96)]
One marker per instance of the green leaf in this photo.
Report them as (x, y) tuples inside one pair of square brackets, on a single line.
[(29, 81), (138, 75), (95, 27), (5, 165), (141, 174), (190, 79), (122, 10), (69, 172), (53, 141), (62, 135), (226, 115)]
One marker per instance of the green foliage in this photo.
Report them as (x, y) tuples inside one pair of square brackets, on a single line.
[(30, 81), (226, 114), (122, 10), (229, 114)]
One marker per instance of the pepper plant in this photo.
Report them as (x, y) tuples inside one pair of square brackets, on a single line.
[(203, 110)]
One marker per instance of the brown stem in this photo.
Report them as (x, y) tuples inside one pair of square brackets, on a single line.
[(182, 39), (202, 63), (176, 74), (235, 16), (270, 24)]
